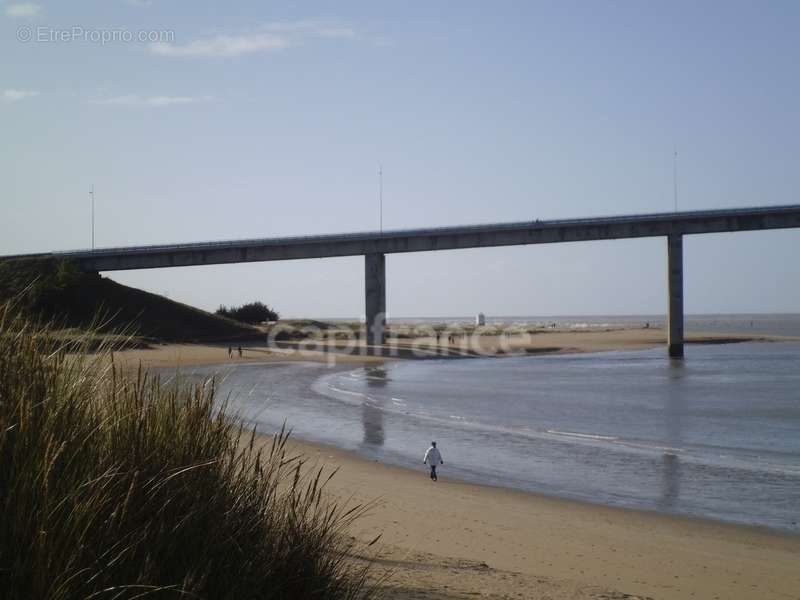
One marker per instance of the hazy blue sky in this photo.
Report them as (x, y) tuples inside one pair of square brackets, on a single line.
[(256, 118)]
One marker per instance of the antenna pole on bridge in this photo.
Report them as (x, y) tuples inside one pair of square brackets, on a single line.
[(675, 178), (91, 193)]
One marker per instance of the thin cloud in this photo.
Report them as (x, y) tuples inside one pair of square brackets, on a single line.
[(12, 95), (136, 100), (272, 37), (312, 28), (224, 46), (23, 10)]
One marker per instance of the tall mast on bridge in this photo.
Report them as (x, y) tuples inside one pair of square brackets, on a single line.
[(380, 194), (675, 177), (91, 193)]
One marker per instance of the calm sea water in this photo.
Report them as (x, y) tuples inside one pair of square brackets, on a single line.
[(716, 435), (753, 324)]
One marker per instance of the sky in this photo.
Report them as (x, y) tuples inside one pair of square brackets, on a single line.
[(199, 120)]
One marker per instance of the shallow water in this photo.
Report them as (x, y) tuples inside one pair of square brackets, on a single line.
[(716, 435)]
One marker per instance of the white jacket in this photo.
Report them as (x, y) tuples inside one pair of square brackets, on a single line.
[(433, 457)]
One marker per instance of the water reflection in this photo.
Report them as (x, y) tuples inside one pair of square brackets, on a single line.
[(371, 413), (674, 421), (670, 485)]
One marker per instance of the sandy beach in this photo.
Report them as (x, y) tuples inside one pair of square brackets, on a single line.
[(458, 540)]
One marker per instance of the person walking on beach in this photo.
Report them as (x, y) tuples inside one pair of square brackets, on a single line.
[(230, 352), (433, 458)]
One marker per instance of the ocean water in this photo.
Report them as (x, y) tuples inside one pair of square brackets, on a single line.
[(734, 324), (716, 435)]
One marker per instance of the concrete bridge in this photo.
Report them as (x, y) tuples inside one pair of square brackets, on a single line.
[(375, 245)]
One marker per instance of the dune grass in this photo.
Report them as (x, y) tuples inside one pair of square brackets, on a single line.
[(128, 487)]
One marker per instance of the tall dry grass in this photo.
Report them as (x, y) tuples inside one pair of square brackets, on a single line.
[(127, 487)]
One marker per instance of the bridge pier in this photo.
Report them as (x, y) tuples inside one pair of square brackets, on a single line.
[(675, 293), (375, 292)]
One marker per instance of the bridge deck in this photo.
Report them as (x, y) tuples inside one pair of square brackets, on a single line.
[(431, 239)]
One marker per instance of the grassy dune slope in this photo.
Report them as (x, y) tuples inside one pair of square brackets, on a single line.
[(52, 289), (118, 488)]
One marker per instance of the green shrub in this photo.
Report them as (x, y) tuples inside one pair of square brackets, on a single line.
[(253, 313), (126, 487)]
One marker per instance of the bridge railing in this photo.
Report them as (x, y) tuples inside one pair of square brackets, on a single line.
[(416, 232)]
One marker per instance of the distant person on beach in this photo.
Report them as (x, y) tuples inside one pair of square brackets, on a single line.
[(240, 351), (433, 458), (230, 352)]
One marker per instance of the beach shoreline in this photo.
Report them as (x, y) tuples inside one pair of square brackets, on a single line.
[(489, 541), (457, 539)]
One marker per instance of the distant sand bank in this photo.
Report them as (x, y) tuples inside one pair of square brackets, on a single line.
[(548, 342)]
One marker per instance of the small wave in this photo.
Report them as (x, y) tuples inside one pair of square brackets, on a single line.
[(644, 446), (341, 391), (589, 436)]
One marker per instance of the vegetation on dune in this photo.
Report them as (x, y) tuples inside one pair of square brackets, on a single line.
[(253, 313), (54, 289), (114, 487)]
